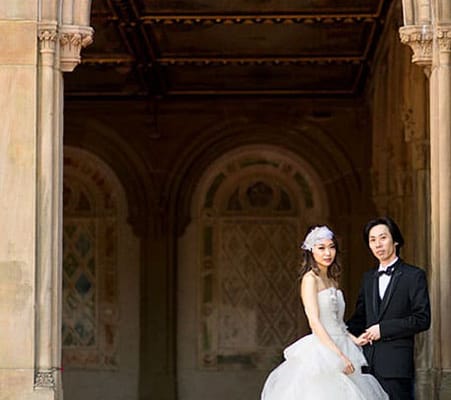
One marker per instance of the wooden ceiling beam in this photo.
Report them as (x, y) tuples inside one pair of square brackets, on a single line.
[(209, 93), (262, 92), (136, 38), (169, 19), (264, 60)]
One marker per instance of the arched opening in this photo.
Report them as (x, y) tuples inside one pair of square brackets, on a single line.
[(100, 302), (238, 294), (165, 91)]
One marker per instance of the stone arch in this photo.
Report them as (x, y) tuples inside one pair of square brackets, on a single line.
[(238, 297), (304, 138), (244, 161), (100, 333), (133, 172)]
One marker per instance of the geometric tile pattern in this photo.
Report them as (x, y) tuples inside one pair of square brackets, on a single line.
[(257, 271), (250, 293), (79, 294), (259, 310), (250, 307)]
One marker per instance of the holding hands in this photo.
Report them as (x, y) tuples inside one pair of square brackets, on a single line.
[(372, 334)]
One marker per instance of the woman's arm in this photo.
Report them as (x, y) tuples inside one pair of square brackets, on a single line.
[(309, 295)]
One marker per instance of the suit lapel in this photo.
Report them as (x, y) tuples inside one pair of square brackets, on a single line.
[(390, 290), (375, 294)]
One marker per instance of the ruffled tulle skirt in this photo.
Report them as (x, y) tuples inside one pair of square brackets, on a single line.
[(311, 371)]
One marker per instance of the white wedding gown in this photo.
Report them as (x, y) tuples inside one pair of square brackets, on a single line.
[(311, 371)]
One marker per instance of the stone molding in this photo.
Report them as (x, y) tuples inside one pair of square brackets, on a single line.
[(443, 35), (419, 38), (47, 35), (72, 38), (45, 379)]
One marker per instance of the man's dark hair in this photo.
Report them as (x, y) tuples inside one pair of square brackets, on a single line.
[(392, 227)]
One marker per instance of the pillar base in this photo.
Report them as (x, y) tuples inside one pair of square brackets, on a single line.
[(425, 383), (445, 385), (19, 384)]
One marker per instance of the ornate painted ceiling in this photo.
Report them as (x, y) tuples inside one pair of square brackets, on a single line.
[(162, 48)]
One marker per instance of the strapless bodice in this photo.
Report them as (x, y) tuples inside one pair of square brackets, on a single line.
[(331, 310), (313, 371)]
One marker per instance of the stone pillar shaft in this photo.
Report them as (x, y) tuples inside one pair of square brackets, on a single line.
[(48, 220), (428, 32), (18, 88), (35, 48), (434, 283), (441, 72)]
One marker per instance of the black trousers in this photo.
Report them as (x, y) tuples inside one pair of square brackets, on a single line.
[(398, 388)]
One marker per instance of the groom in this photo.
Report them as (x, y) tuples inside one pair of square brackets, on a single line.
[(393, 305)]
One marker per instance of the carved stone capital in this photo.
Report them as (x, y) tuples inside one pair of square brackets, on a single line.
[(72, 39), (45, 379), (419, 38), (47, 35), (443, 35)]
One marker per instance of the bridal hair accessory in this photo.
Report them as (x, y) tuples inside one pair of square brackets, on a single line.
[(315, 235)]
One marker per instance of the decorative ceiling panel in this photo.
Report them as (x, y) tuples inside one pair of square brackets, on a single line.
[(104, 79), (283, 79), (108, 40), (201, 47), (260, 6), (294, 39)]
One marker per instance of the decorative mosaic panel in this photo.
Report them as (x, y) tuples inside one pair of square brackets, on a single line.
[(250, 303), (258, 291), (258, 193), (79, 284), (252, 310), (90, 297)]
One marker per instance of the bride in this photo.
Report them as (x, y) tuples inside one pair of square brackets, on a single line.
[(326, 364)]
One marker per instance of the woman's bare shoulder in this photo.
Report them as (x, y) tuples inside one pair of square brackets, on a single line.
[(310, 279)]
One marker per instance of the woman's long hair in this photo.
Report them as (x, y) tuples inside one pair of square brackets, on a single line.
[(308, 263)]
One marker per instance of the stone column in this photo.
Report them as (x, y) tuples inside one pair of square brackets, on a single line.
[(441, 121), (430, 39), (18, 113), (37, 46)]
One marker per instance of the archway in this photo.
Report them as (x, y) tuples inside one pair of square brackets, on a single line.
[(238, 296), (100, 302)]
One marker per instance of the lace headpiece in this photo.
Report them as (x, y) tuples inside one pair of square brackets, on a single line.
[(316, 235)]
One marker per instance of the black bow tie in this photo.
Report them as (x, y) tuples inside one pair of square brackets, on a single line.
[(388, 271)]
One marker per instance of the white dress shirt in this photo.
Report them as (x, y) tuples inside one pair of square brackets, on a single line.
[(384, 279)]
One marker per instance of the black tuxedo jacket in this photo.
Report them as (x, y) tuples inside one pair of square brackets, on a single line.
[(403, 312)]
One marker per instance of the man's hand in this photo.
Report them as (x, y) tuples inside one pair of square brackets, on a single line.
[(362, 340), (372, 334)]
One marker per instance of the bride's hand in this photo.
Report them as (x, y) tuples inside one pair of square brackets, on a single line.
[(349, 367), (359, 341), (362, 340)]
